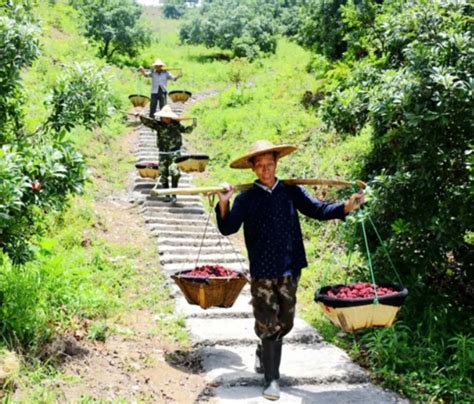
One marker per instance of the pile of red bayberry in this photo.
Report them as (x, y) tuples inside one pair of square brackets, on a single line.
[(359, 290), (211, 271)]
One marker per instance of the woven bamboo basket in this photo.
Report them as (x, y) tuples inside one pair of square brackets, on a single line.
[(192, 162), (209, 292), (179, 95), (148, 170), (139, 100), (355, 314)]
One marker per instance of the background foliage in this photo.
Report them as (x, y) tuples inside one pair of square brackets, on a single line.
[(114, 25), (38, 170), (392, 83), (244, 27)]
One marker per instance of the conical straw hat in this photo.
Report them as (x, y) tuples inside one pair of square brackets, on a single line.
[(166, 112), (159, 62), (262, 147)]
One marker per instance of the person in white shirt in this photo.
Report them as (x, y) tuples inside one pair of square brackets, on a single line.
[(159, 79)]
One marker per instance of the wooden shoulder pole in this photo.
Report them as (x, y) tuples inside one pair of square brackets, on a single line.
[(243, 187)]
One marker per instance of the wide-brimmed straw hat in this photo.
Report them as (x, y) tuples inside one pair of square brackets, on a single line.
[(159, 62), (262, 147), (166, 112)]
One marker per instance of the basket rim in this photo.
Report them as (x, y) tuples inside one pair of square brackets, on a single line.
[(147, 165), (185, 157), (180, 91), (207, 279), (138, 95), (394, 299)]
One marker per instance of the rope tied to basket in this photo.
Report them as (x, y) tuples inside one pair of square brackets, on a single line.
[(360, 215)]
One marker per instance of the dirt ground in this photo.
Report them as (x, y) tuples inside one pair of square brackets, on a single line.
[(134, 364)]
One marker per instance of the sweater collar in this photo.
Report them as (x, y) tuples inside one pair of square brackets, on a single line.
[(267, 189)]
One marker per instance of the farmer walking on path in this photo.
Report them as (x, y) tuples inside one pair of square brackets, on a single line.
[(159, 80), (169, 142), (269, 213)]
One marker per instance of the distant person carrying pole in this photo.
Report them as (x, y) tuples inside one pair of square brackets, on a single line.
[(169, 142), (159, 80)]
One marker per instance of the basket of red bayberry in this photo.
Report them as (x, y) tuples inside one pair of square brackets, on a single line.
[(210, 285), (361, 305)]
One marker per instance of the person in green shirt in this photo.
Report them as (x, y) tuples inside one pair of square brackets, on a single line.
[(169, 142)]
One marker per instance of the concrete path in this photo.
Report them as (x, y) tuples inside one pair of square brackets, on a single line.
[(313, 371)]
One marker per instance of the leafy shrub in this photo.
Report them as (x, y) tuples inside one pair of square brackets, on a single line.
[(81, 97)]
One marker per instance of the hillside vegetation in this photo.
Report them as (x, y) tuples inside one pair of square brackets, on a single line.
[(384, 96)]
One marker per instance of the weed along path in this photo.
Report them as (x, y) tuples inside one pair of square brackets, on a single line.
[(223, 340)]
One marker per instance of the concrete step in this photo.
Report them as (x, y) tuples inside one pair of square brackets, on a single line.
[(156, 210), (221, 259), (225, 249), (193, 198), (179, 228), (241, 332), (148, 152), (144, 180), (195, 235), (190, 242), (160, 203), (155, 201), (335, 393), (174, 215), (315, 363), (147, 191), (176, 221)]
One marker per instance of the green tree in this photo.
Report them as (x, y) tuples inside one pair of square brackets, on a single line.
[(247, 28), (38, 171), (323, 29), (115, 26), (174, 9), (415, 91)]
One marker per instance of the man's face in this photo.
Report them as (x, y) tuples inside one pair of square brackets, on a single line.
[(166, 120), (264, 167), (158, 68)]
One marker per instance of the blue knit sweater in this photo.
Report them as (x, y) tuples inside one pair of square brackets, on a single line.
[(272, 229)]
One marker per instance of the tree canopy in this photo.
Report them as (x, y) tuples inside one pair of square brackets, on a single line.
[(114, 25), (38, 171), (247, 28)]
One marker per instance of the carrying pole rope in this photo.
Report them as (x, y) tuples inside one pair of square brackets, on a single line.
[(384, 248), (366, 242), (204, 233), (369, 261)]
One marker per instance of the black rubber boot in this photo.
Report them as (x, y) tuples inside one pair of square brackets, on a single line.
[(174, 184), (271, 357), (258, 367)]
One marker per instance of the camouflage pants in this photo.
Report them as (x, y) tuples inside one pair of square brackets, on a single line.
[(168, 168), (274, 302)]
